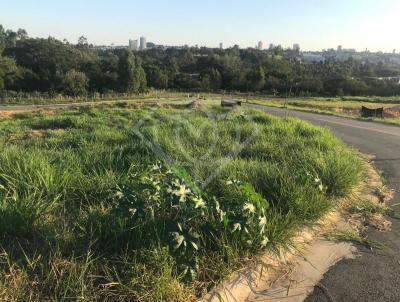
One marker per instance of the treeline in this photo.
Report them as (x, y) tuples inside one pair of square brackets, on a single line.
[(33, 65)]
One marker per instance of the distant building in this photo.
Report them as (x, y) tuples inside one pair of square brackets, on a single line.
[(260, 45), (339, 48), (221, 45), (143, 43), (313, 57), (134, 44), (394, 51), (296, 47), (271, 46)]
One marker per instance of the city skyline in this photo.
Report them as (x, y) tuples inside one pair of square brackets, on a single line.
[(313, 25)]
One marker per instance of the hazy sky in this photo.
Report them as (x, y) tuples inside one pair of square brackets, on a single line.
[(315, 24)]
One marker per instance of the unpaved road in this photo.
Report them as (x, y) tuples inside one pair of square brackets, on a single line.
[(20, 108), (375, 275)]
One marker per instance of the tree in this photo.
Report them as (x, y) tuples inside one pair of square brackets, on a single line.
[(83, 41), (11, 38), (44, 65), (8, 72), (131, 74), (156, 77), (215, 79), (206, 82), (46, 59), (2, 39), (22, 34), (256, 79), (75, 83)]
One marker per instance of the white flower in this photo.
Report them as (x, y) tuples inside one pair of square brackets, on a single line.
[(219, 211), (317, 180), (264, 242), (222, 215), (179, 239), (156, 167), (249, 242), (233, 182), (181, 192), (199, 203), (217, 206), (118, 194), (132, 211), (321, 187), (236, 227), (263, 221), (249, 207)]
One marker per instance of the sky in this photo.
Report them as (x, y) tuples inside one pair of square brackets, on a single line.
[(314, 24)]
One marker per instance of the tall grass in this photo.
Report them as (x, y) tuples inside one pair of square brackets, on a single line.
[(155, 205)]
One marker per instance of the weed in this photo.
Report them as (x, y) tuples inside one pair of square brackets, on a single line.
[(353, 236)]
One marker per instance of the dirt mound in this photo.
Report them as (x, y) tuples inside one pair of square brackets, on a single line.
[(392, 112), (194, 105)]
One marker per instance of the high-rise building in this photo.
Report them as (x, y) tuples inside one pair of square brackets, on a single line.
[(221, 45), (339, 48), (296, 47), (260, 45), (143, 43), (394, 51), (133, 44), (271, 46)]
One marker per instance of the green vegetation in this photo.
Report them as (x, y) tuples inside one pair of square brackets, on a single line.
[(47, 68), (155, 205), (355, 237), (349, 107)]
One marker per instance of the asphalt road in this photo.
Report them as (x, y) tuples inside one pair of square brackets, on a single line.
[(375, 275)]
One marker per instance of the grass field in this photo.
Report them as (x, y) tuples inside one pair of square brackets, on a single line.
[(349, 106), (346, 107), (32, 99), (116, 204)]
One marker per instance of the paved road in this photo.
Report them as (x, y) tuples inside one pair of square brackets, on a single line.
[(375, 276)]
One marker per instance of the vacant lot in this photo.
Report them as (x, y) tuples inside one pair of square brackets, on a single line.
[(346, 107), (155, 204)]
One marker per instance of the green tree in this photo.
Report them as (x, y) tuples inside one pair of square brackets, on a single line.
[(256, 79), (11, 38), (132, 77), (75, 83), (215, 79), (2, 39), (22, 34), (83, 41), (8, 72), (156, 77)]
